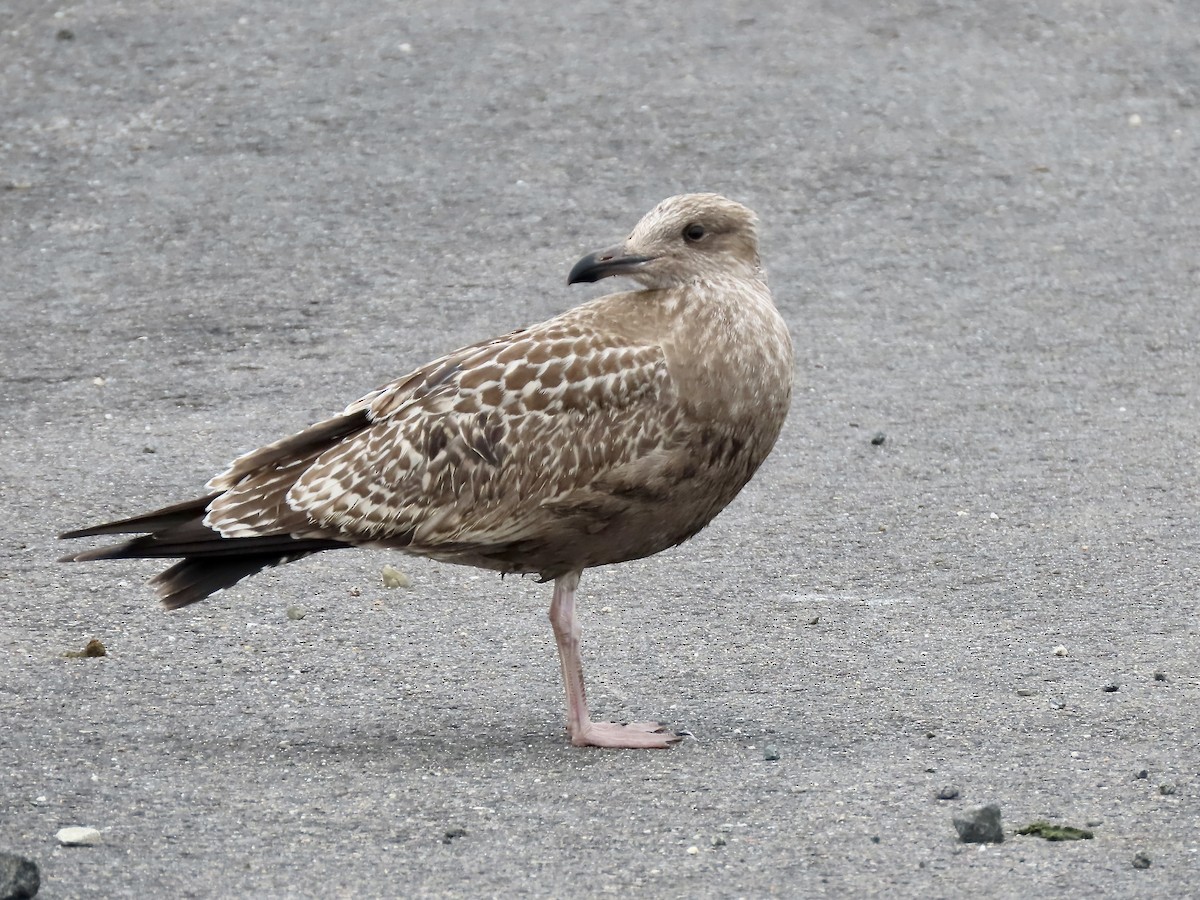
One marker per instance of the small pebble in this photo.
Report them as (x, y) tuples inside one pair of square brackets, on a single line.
[(296, 613), (19, 877), (770, 753), (1166, 789), (78, 836), (980, 826), (947, 792), (693, 850), (878, 439), (1143, 773), (453, 833), (1060, 650), (1160, 676), (1141, 861), (718, 841), (1025, 692), (1111, 688), (394, 578)]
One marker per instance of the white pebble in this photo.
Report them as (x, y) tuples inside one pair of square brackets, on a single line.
[(394, 578), (78, 836), (1060, 650)]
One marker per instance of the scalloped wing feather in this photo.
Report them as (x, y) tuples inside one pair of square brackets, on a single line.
[(475, 449)]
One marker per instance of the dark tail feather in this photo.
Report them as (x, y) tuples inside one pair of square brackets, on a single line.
[(159, 520), (194, 539), (209, 563), (191, 580)]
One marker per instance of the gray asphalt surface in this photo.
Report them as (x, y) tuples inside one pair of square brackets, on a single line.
[(220, 222)]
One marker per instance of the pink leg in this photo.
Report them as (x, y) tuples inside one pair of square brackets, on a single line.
[(583, 731)]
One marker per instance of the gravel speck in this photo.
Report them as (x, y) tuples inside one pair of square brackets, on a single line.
[(78, 836), (770, 753), (19, 877), (394, 578), (94, 648), (980, 826), (947, 792), (1141, 861)]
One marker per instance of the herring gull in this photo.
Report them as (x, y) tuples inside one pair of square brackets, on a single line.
[(608, 433)]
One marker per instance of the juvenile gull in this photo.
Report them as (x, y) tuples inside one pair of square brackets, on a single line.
[(611, 432)]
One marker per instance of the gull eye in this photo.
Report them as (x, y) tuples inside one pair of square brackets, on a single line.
[(693, 232)]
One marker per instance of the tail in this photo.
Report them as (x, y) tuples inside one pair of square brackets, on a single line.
[(209, 562)]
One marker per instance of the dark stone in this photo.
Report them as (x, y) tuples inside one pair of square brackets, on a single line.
[(19, 877), (65, 34), (980, 826), (878, 438), (947, 792), (1141, 861), (1111, 688), (452, 833), (1143, 773)]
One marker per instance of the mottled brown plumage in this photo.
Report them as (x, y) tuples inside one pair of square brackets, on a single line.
[(611, 432)]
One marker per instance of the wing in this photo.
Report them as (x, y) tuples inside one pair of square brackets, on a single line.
[(476, 449)]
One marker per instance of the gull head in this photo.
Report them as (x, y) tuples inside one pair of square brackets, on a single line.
[(684, 240)]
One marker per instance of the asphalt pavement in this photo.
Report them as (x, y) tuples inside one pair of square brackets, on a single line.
[(969, 568)]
